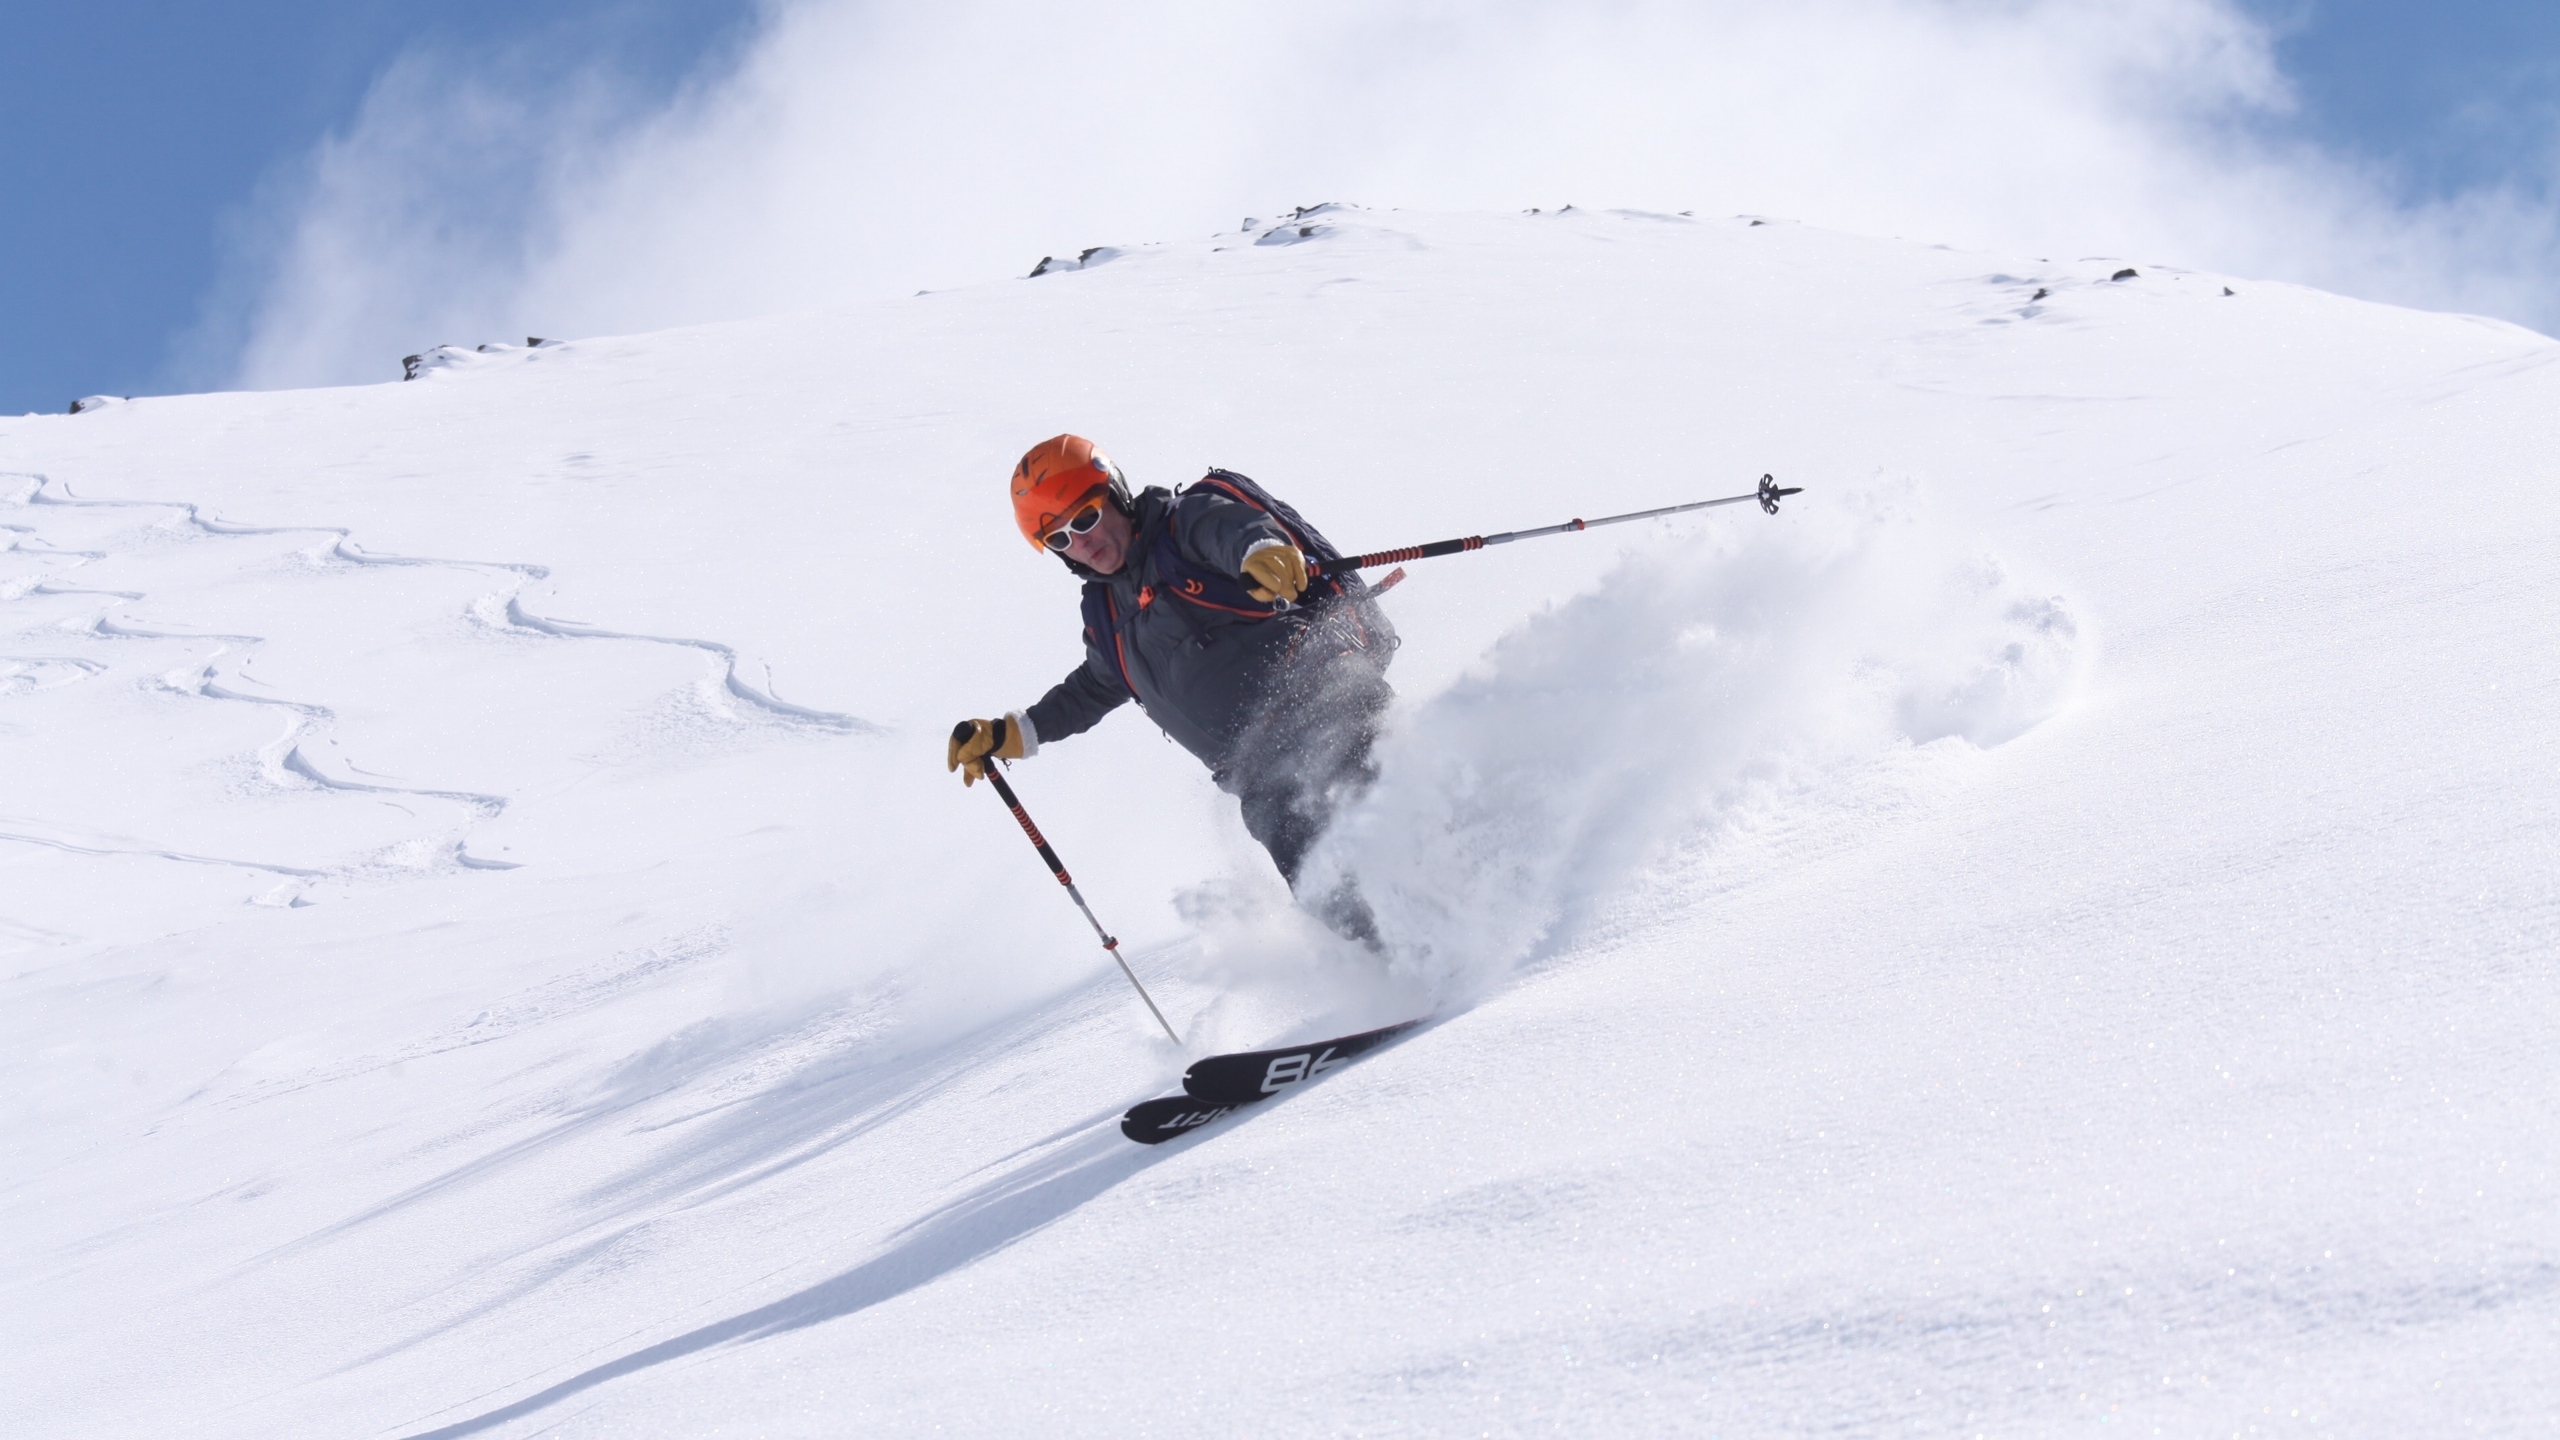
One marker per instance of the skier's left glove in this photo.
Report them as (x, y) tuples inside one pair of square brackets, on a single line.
[(1275, 571), (976, 742)]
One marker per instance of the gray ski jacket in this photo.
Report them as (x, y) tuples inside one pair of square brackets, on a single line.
[(1201, 674)]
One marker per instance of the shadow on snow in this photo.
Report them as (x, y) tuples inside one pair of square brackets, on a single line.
[(976, 1225)]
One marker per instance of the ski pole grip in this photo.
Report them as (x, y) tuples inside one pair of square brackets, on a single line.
[(961, 732)]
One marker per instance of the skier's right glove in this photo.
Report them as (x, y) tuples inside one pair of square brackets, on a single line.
[(1274, 570), (975, 742)]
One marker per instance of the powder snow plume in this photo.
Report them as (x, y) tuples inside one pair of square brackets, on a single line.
[(1704, 678)]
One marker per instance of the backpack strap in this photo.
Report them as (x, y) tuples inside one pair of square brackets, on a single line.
[(1102, 629), (1204, 587), (1237, 488), (1210, 590)]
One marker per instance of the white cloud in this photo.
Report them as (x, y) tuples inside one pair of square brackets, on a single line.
[(861, 150)]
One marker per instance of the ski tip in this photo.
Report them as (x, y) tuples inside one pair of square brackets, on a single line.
[(1153, 1122), (1251, 1075)]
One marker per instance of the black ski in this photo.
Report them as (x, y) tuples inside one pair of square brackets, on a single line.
[(1220, 1085), (1260, 1074), (1153, 1122)]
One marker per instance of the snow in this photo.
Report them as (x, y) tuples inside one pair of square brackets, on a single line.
[(2054, 929)]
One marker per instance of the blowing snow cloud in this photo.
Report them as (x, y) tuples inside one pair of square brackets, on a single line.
[(857, 151)]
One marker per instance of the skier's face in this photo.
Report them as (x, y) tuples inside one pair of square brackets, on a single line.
[(1104, 548)]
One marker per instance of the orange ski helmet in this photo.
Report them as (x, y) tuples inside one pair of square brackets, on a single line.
[(1054, 481)]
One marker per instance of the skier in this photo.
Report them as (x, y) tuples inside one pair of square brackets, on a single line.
[(1198, 605)]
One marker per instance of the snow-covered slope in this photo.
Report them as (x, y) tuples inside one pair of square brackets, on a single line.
[(2056, 928)]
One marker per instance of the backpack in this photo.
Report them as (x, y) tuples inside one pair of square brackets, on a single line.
[(1363, 628), (1202, 586)]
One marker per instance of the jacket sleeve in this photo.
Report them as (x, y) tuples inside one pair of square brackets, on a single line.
[(1216, 531), (1078, 703)]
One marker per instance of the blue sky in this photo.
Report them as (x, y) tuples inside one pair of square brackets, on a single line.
[(2450, 94), (135, 136), (146, 148)]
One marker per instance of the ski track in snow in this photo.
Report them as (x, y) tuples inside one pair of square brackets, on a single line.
[(521, 618), (284, 762), (23, 831)]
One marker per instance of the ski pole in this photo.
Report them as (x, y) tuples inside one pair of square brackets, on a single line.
[(1005, 793), (1768, 495)]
